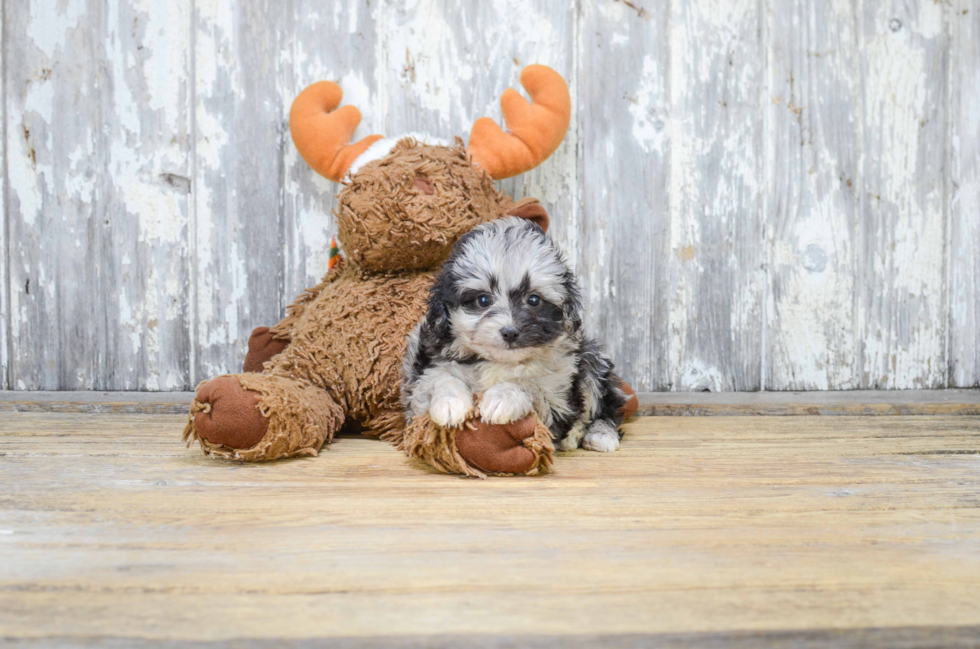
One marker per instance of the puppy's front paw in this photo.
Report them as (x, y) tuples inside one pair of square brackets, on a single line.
[(449, 411), (601, 437), (504, 403)]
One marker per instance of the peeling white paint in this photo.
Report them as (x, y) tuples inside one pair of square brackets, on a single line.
[(165, 28), (904, 333), (964, 232), (5, 309), (809, 155), (51, 22), (648, 127), (431, 77)]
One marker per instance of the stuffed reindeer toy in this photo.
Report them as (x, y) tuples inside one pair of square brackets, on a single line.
[(335, 359)]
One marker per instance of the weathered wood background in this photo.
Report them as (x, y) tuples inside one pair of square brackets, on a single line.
[(764, 194)]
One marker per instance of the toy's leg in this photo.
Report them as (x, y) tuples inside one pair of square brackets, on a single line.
[(262, 417), (522, 447)]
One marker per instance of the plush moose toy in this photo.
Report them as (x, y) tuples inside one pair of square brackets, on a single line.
[(335, 359)]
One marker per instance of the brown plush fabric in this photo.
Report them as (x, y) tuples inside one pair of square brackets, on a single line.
[(335, 358), (298, 417), (477, 449), (347, 335), (388, 220), (262, 346), (350, 338), (500, 448), (282, 330), (227, 414), (423, 183), (433, 445)]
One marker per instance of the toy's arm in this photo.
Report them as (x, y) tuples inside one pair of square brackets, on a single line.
[(266, 342)]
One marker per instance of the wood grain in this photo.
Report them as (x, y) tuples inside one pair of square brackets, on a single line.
[(698, 525), (4, 248), (446, 64), (57, 206), (906, 637), (776, 195), (624, 227), (97, 167), (146, 292), (812, 199), (964, 195), (716, 219), (954, 402), (349, 57), (827, 403), (901, 274), (239, 141)]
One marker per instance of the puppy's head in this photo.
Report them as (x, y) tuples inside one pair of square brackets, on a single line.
[(505, 294)]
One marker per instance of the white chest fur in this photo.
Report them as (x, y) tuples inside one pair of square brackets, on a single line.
[(546, 376)]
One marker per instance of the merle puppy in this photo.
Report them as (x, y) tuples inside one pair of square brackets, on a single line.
[(504, 321)]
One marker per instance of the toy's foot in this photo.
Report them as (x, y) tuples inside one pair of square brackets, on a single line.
[(228, 414), (523, 447), (257, 417), (261, 347), (498, 448)]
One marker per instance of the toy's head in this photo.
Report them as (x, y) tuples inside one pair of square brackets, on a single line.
[(406, 201)]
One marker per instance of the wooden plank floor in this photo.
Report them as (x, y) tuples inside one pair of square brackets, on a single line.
[(841, 528), (670, 404)]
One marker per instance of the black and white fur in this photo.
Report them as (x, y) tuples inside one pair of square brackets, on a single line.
[(505, 321)]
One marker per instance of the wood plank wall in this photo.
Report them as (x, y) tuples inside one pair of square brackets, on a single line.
[(764, 194)]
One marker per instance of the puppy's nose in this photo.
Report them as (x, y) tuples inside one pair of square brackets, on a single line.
[(510, 334)]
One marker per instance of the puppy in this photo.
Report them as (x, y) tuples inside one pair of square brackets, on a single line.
[(504, 321)]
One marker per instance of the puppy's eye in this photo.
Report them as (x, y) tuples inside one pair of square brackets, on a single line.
[(533, 300), (484, 301)]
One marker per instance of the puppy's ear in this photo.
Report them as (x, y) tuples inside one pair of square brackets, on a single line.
[(532, 211), (442, 322), (572, 305), (437, 314)]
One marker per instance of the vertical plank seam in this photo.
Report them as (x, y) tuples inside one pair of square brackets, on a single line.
[(860, 232), (102, 205), (577, 148), (6, 373), (947, 310), (764, 91), (666, 378), (578, 224), (284, 258), (192, 258), (381, 81)]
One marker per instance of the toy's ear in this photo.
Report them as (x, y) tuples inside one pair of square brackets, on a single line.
[(532, 212)]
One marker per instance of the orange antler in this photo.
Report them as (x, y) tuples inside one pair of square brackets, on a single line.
[(322, 134), (535, 129)]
